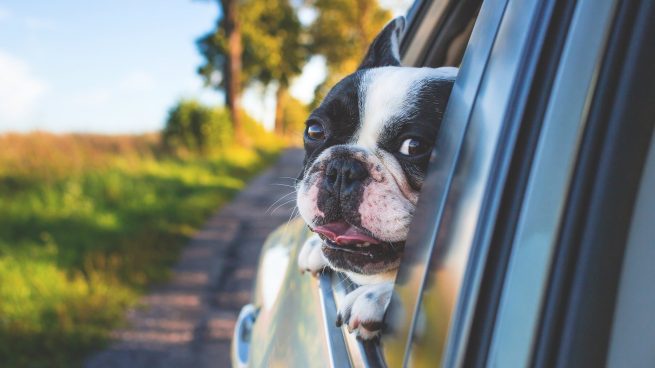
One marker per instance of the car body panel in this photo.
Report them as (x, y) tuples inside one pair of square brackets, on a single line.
[(290, 317), (295, 313), (431, 207)]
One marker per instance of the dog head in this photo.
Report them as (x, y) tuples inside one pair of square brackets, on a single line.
[(367, 149)]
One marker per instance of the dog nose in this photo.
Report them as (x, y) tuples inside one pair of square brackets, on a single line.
[(343, 175)]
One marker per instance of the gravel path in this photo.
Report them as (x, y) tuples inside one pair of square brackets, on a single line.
[(189, 321)]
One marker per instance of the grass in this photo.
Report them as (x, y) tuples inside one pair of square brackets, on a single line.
[(86, 224)]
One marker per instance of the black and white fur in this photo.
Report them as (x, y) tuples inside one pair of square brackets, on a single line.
[(367, 149)]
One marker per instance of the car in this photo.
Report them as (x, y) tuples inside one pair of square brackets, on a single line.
[(532, 244)]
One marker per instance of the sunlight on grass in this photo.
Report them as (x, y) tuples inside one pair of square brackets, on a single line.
[(87, 225)]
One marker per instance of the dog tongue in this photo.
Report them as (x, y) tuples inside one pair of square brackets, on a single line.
[(342, 232)]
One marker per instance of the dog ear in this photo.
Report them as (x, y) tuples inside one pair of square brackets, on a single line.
[(385, 48)]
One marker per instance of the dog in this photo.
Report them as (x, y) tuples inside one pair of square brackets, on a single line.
[(367, 148)]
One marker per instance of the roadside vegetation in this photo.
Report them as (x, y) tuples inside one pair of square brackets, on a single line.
[(88, 222)]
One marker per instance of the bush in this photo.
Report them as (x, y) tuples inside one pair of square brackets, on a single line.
[(197, 128)]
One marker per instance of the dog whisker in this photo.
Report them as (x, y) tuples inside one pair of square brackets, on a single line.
[(290, 178), (278, 201), (283, 204), (286, 226), (391, 245), (284, 185), (343, 281), (294, 211), (351, 284)]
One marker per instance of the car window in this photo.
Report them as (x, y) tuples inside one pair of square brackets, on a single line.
[(442, 191), (436, 35)]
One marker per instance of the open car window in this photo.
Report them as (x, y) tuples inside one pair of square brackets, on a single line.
[(436, 35)]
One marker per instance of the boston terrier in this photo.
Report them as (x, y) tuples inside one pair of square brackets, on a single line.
[(367, 148)]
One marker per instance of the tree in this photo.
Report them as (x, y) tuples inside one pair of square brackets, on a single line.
[(271, 49), (274, 51), (342, 33), (222, 50)]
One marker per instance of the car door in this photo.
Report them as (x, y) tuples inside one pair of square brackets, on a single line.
[(534, 179)]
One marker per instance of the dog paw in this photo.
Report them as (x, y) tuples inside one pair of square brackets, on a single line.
[(362, 310), (310, 258)]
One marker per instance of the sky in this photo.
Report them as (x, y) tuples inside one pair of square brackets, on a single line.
[(112, 66)]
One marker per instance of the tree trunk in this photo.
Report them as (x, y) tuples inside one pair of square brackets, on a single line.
[(232, 72), (280, 102)]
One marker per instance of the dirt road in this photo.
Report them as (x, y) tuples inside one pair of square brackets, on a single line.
[(189, 321)]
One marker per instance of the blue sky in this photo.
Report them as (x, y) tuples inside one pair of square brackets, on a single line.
[(109, 66)]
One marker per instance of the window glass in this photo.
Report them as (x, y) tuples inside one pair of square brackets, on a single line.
[(460, 185)]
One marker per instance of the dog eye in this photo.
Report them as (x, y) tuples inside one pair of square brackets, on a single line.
[(315, 131), (413, 147)]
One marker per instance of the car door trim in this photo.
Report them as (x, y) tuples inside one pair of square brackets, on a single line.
[(339, 356)]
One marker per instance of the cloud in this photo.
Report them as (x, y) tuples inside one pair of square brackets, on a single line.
[(19, 90)]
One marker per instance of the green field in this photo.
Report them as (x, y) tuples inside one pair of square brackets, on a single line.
[(86, 224)]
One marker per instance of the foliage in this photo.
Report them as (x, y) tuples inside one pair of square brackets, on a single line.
[(197, 127), (271, 42), (344, 29), (272, 35), (342, 33), (87, 223), (294, 117), (214, 48), (271, 38)]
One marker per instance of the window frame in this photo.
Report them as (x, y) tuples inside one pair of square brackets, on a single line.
[(487, 62), (423, 36)]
